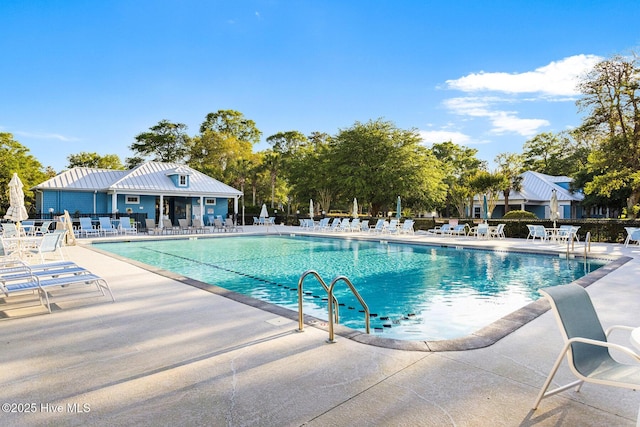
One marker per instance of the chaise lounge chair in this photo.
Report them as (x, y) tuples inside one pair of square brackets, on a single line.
[(586, 345)]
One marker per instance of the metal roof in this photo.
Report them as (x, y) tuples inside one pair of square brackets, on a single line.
[(148, 178), (538, 187)]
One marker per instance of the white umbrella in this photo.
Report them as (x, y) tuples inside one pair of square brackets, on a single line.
[(263, 212), (16, 212), (553, 205), (311, 208), (355, 207)]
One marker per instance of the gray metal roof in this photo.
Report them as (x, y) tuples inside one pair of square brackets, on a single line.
[(148, 178), (539, 187)]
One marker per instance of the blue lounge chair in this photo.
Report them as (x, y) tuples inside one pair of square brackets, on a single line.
[(86, 228), (126, 227), (586, 345), (106, 227)]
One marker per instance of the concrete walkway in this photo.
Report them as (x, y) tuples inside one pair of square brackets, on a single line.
[(166, 353)]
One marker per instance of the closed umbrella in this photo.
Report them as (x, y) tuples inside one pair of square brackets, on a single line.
[(355, 208), (553, 205), (311, 209), (263, 212), (16, 212), (398, 208)]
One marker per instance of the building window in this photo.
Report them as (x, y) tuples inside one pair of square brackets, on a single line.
[(132, 200), (182, 180), (211, 201)]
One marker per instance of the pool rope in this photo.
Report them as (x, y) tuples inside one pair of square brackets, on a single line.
[(387, 321)]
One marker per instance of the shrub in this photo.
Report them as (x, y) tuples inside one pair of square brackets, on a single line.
[(518, 214)]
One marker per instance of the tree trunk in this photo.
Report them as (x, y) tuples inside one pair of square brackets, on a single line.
[(632, 201), (506, 201)]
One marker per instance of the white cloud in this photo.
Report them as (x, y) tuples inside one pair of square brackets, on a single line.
[(438, 136), (558, 78), (502, 121), (55, 136)]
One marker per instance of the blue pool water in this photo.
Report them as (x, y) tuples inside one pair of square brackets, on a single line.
[(413, 291)]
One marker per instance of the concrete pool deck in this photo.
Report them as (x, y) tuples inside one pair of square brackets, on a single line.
[(166, 353)]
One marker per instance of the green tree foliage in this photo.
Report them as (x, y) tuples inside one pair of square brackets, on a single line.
[(94, 160), (15, 158), (510, 166), (164, 142), (377, 162), (612, 103), (459, 165), (231, 123), (552, 154), (488, 184)]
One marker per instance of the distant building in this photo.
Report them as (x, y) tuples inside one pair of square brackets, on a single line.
[(150, 190), (535, 197)]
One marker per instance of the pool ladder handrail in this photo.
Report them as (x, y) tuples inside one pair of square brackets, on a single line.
[(334, 317), (355, 292), (326, 288)]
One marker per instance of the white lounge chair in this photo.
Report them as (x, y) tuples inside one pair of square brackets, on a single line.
[(364, 226), (586, 345), (51, 243), (198, 227), (334, 224), (380, 226), (323, 224), (497, 232), (343, 226), (392, 228), (355, 225), (440, 229), (45, 278), (633, 235), (459, 230)]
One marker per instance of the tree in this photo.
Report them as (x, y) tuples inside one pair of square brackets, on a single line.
[(166, 142), (94, 160), (15, 158), (510, 166), (377, 162), (231, 123), (217, 155), (488, 184), (459, 165), (551, 154), (611, 99)]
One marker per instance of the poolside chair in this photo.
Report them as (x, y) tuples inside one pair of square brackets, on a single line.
[(323, 224), (568, 233), (183, 225), (482, 231), (9, 229), (459, 230), (29, 227), (334, 224), (344, 225), (536, 231), (198, 227), (218, 225), (229, 225), (86, 228), (364, 226), (631, 233), (42, 229), (150, 225), (168, 227), (126, 226), (380, 227), (355, 225), (106, 227), (392, 228), (51, 243), (440, 229), (497, 232), (586, 345)]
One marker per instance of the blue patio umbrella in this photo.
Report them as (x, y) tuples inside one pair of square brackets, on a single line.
[(485, 208), (398, 208)]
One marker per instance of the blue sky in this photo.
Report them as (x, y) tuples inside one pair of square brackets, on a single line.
[(90, 75)]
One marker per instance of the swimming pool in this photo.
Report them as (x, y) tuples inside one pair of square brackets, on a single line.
[(414, 292)]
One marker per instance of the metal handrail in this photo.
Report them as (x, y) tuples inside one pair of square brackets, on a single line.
[(356, 294), (326, 288)]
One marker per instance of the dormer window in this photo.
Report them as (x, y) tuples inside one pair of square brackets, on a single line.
[(182, 180)]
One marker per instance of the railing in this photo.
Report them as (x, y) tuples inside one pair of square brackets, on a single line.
[(334, 316)]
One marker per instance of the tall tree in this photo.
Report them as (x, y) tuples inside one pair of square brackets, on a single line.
[(164, 142), (231, 123), (459, 165), (510, 166), (377, 162), (611, 99), (94, 160), (15, 158), (488, 184)]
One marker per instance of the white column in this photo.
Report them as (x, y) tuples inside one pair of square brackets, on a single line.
[(161, 211), (114, 202), (235, 207), (201, 209)]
